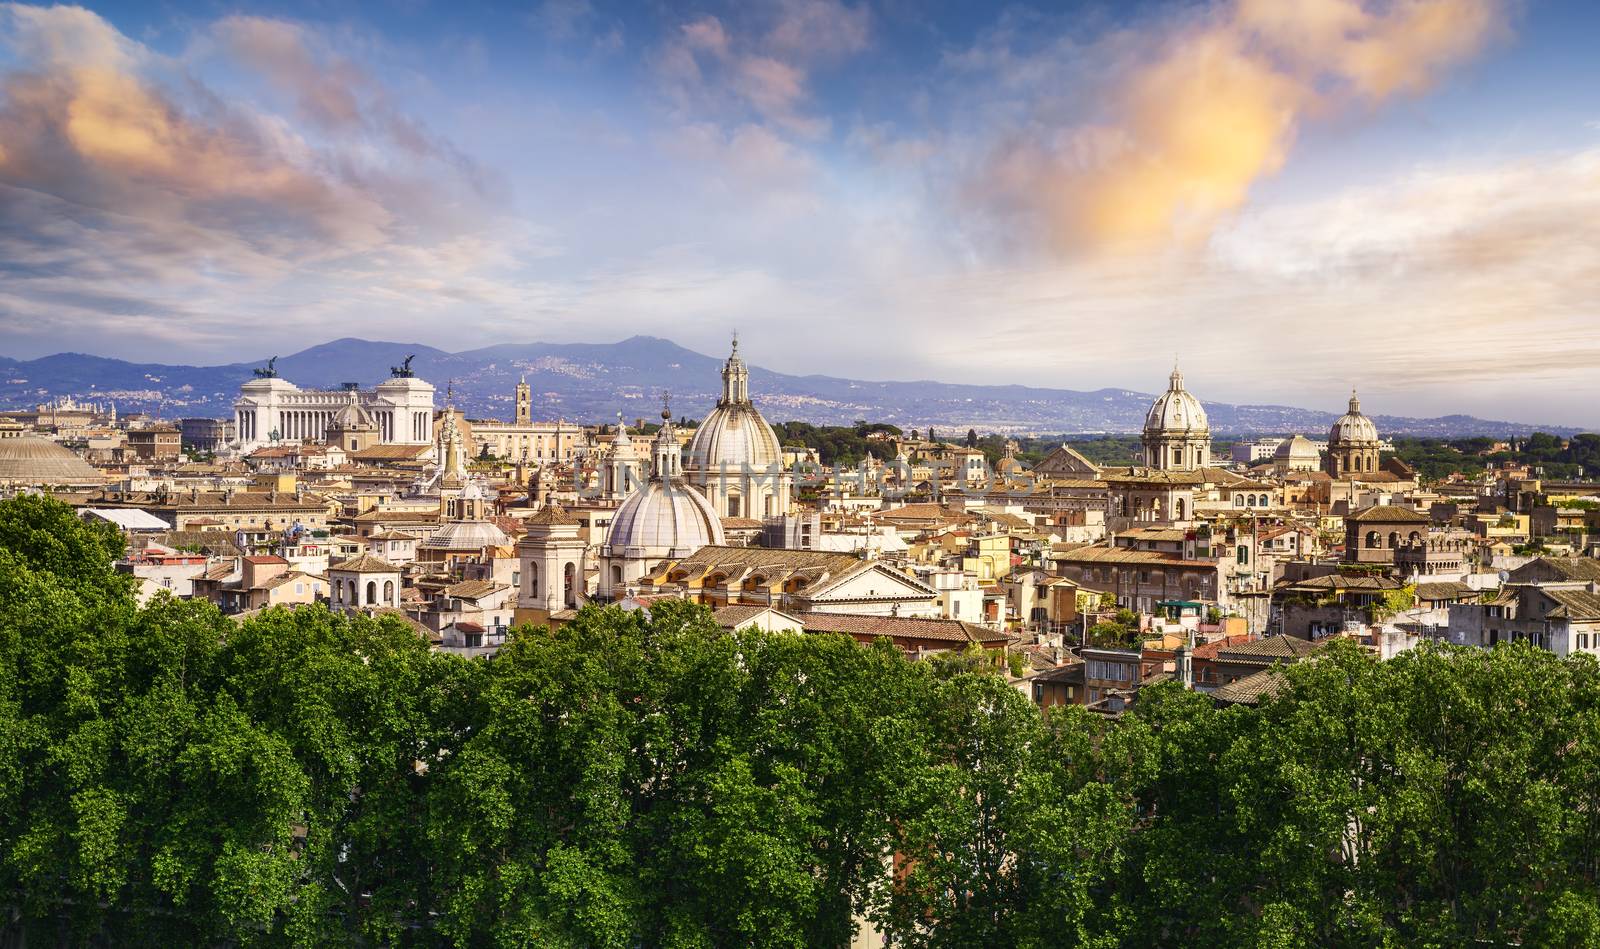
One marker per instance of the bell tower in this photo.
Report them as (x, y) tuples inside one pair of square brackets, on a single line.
[(524, 402)]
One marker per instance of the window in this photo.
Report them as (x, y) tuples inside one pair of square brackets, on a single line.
[(1242, 555)]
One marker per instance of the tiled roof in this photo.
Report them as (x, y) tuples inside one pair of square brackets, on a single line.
[(1096, 554), (551, 515), (1573, 568), (861, 624), (474, 589), (1336, 581), (1270, 649), (1388, 514), (1454, 590), (366, 563), (1574, 604), (1251, 689), (1066, 672)]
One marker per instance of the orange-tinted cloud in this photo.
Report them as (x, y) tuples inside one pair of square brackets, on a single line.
[(1192, 124)]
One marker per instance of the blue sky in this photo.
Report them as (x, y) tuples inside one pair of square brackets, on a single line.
[(1294, 198)]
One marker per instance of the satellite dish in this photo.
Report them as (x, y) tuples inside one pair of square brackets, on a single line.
[(1505, 575)]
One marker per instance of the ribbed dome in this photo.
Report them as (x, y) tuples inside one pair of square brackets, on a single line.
[(1175, 411), (466, 535), (733, 435), (1353, 428), (38, 461), (664, 519), (354, 417)]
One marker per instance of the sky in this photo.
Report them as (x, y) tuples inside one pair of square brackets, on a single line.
[(1290, 199)]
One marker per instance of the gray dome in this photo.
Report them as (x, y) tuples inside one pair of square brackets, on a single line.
[(734, 435), (466, 535), (1295, 448), (354, 417), (1353, 428), (1176, 412), (664, 519), (38, 461)]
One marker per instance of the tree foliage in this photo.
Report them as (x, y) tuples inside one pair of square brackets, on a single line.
[(171, 776)]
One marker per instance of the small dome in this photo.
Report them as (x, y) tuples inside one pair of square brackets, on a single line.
[(733, 435), (1353, 428), (466, 535), (354, 417), (37, 461), (664, 518), (1295, 448), (1176, 412)]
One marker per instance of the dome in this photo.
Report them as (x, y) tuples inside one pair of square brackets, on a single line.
[(1353, 428), (667, 518), (1295, 448), (354, 417), (1175, 411), (38, 461), (466, 535), (734, 435)]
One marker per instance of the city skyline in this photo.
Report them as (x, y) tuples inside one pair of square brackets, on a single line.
[(1401, 196)]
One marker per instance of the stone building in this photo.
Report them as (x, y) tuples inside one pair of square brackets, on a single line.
[(1373, 535), (270, 408), (1177, 436), (551, 566), (1353, 444)]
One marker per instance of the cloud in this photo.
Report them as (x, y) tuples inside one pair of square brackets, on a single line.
[(762, 71), (1197, 114)]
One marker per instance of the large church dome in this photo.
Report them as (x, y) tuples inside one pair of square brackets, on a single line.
[(1175, 411), (665, 517), (1353, 428), (26, 461), (734, 434)]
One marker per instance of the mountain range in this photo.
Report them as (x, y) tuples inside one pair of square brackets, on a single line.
[(595, 382)]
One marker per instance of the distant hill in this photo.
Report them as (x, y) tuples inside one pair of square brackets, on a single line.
[(593, 382)]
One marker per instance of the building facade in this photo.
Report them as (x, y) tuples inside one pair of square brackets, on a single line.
[(271, 409)]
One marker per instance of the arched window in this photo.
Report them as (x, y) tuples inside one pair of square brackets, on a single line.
[(1238, 500), (1372, 539), (616, 578), (533, 579), (1177, 509), (388, 592), (1415, 537), (372, 592), (1262, 501), (338, 592), (569, 579), (1250, 500), (1394, 539)]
